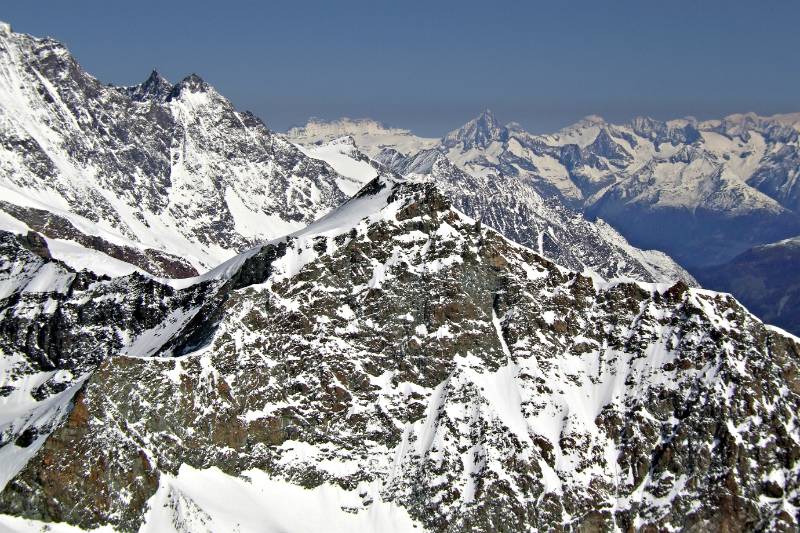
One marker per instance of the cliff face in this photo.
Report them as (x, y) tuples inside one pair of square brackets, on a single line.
[(401, 352)]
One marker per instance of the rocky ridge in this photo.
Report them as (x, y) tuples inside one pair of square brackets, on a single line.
[(406, 354)]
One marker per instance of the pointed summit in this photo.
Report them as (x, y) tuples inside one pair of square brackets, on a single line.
[(155, 87), (155, 79), (194, 83), (191, 83), (477, 133), (487, 118)]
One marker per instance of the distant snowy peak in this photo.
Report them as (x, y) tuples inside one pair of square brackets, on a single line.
[(369, 135), (753, 120), (317, 127), (477, 133), (586, 122), (657, 131)]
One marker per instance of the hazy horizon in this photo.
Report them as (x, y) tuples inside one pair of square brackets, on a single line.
[(431, 68)]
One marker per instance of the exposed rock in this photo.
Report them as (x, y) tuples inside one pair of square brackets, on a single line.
[(441, 367)]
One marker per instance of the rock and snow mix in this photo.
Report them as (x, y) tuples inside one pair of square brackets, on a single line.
[(409, 366), (171, 171), (392, 363)]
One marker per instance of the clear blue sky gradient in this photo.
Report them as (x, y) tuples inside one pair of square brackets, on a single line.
[(430, 66)]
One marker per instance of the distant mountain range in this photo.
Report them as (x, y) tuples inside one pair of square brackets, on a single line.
[(712, 189)]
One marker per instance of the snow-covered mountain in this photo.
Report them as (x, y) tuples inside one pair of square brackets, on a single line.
[(369, 135), (373, 354), (169, 178), (711, 189), (394, 366)]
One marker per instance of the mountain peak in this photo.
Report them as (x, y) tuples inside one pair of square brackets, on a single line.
[(191, 83), (155, 77), (317, 127), (155, 87), (5, 28), (477, 133), (487, 117), (194, 83)]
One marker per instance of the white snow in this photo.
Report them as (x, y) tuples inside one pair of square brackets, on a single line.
[(369, 135), (210, 500), (341, 155)]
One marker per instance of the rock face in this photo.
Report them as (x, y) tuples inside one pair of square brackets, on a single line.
[(56, 326), (155, 169), (404, 352)]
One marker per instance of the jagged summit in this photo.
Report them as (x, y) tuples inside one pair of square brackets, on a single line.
[(477, 133), (192, 83), (155, 87)]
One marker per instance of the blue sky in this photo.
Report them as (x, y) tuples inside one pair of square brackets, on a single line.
[(430, 66)]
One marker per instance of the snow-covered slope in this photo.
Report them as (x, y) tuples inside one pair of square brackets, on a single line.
[(172, 171), (355, 168), (403, 364)]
